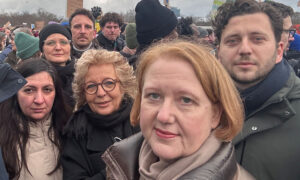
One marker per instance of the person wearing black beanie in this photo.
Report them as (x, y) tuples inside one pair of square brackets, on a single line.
[(153, 21), (52, 29), (55, 44)]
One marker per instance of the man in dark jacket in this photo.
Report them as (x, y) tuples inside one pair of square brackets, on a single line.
[(109, 36), (288, 35), (82, 25), (250, 49)]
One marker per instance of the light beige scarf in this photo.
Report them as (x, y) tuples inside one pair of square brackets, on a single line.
[(151, 167)]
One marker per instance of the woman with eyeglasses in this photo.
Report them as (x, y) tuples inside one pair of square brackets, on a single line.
[(103, 86), (55, 44)]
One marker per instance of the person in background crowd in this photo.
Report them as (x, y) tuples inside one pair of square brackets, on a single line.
[(5, 48), (109, 36), (55, 44), (154, 22), (27, 46), (103, 86), (203, 35), (12, 58), (2, 41), (250, 49), (131, 42), (188, 110), (211, 37), (31, 124), (122, 29), (82, 25), (10, 82), (287, 35), (288, 31)]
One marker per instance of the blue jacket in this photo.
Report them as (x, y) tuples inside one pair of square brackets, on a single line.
[(5, 52), (3, 173)]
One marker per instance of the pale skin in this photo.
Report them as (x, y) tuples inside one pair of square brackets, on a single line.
[(111, 31), (176, 116), (37, 96), (248, 49), (60, 53), (103, 102), (83, 31)]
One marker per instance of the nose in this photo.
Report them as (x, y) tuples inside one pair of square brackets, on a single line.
[(165, 113), (82, 29), (245, 48), (38, 98), (100, 91), (57, 46)]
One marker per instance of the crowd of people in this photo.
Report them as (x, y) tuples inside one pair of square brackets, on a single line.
[(159, 98)]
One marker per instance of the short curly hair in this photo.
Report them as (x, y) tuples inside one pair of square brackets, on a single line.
[(92, 57), (243, 7), (111, 17)]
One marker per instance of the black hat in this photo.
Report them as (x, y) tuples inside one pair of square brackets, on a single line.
[(153, 21), (10, 81), (52, 29)]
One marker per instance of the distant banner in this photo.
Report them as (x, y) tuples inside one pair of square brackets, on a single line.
[(216, 5)]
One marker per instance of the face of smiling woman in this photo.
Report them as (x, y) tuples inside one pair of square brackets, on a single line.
[(176, 115), (37, 96), (103, 102)]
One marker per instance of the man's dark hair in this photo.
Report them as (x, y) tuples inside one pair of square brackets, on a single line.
[(284, 10), (111, 17), (243, 7), (82, 11)]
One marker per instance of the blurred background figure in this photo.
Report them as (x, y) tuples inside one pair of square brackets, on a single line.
[(31, 124), (104, 86), (27, 46), (188, 110), (12, 58), (131, 41), (2, 41)]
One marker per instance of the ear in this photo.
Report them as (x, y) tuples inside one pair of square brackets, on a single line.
[(216, 117), (279, 52)]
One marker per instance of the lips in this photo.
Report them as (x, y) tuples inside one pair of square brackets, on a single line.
[(103, 104), (164, 134), (37, 110)]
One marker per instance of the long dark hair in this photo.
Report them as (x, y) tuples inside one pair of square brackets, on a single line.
[(14, 125)]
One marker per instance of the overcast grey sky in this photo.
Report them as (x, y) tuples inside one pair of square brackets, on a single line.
[(188, 7)]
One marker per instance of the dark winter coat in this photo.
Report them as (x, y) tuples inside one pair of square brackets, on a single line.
[(109, 45), (268, 146), (75, 54), (66, 74), (87, 136)]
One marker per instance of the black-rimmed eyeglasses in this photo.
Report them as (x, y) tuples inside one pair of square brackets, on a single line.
[(107, 85), (291, 32)]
